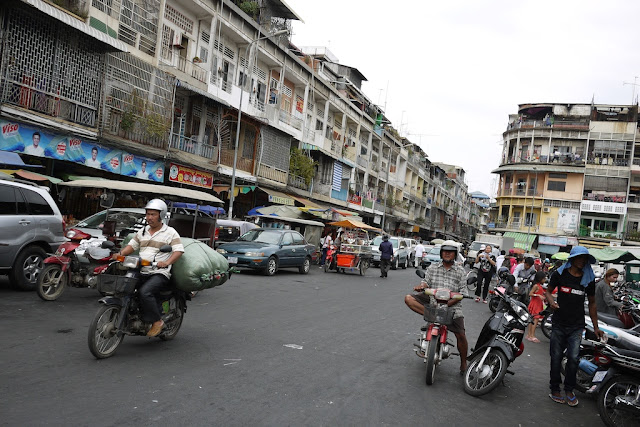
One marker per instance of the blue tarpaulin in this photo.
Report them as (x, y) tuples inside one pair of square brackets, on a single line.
[(202, 208)]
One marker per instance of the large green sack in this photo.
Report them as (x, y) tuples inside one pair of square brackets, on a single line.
[(200, 267)]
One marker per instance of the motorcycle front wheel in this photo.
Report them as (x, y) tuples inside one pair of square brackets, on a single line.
[(103, 334), (493, 304), (483, 380), (51, 283), (616, 399), (431, 360), (546, 324)]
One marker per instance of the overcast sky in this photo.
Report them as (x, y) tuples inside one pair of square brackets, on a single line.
[(457, 69)]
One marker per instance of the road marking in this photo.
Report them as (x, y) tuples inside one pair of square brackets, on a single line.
[(296, 346), (232, 362)]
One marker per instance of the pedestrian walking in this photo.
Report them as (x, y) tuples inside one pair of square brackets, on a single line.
[(386, 255), (326, 242), (487, 267), (419, 254), (536, 305)]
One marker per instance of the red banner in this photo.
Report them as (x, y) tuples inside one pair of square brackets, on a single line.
[(186, 175)]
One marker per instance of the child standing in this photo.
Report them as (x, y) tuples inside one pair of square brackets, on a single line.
[(536, 304)]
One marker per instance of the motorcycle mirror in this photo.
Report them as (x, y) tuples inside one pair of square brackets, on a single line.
[(166, 248), (107, 199), (420, 273), (107, 245)]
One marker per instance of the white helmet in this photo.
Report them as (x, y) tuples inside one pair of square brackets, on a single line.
[(449, 245), (158, 205)]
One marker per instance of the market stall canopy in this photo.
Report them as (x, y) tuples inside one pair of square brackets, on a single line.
[(13, 159), (562, 256), (163, 190), (277, 210), (352, 223), (522, 240), (33, 176), (213, 210), (6, 176), (609, 254)]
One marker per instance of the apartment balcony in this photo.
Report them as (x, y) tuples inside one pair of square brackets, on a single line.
[(243, 164), (297, 182), (273, 174), (608, 161), (288, 119), (191, 69), (547, 124), (46, 94), (594, 206), (562, 160), (340, 195), (361, 161), (193, 146), (601, 234)]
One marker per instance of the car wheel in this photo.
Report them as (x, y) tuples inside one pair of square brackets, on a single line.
[(306, 266), (27, 268), (272, 267)]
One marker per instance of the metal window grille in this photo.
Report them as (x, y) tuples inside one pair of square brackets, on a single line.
[(205, 37), (287, 91), (139, 24), (178, 18), (110, 7)]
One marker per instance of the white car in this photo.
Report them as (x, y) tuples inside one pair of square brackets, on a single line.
[(125, 218), (400, 252)]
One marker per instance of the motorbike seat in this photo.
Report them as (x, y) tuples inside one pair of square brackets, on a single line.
[(610, 320), (635, 353), (166, 293)]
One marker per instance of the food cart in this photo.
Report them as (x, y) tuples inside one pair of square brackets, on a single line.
[(354, 251)]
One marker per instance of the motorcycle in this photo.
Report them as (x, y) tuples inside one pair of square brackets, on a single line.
[(73, 264), (498, 345), (505, 285), (120, 313), (433, 346), (615, 374), (330, 260)]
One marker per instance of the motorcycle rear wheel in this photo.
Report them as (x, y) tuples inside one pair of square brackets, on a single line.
[(483, 382), (545, 325), (620, 386), (103, 337), (51, 283), (171, 332), (431, 360)]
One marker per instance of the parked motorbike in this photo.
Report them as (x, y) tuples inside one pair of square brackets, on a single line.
[(73, 264), (433, 346), (498, 345), (330, 260), (505, 285), (120, 313)]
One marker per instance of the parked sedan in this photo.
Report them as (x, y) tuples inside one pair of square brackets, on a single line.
[(269, 250), (400, 252)]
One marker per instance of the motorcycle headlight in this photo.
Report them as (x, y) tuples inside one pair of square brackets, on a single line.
[(254, 253), (71, 234), (521, 313), (221, 251), (131, 262)]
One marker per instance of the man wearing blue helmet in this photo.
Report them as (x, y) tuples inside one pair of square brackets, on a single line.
[(574, 280)]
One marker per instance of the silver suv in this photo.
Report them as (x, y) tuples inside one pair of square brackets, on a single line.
[(30, 227)]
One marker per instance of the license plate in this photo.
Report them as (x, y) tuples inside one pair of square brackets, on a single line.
[(233, 260), (599, 376)]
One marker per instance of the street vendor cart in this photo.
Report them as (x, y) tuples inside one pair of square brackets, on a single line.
[(354, 250)]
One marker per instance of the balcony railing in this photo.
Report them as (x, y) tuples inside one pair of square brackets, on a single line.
[(297, 182), (192, 146), (608, 161), (243, 164), (549, 124), (45, 94), (288, 118), (192, 69), (272, 173), (563, 159)]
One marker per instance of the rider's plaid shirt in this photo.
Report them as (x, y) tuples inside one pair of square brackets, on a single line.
[(437, 276)]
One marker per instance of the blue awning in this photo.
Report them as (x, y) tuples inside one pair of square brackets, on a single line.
[(548, 249), (12, 159)]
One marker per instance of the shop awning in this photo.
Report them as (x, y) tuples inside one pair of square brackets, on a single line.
[(33, 176), (522, 240), (352, 223), (548, 249), (278, 197), (613, 255), (588, 243), (306, 202), (10, 159)]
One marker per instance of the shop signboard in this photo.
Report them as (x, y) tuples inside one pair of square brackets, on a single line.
[(21, 138), (190, 176), (142, 167), (552, 240)]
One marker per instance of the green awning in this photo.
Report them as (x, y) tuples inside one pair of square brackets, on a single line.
[(612, 255), (522, 240)]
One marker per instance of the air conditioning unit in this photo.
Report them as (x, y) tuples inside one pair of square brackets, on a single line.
[(546, 210)]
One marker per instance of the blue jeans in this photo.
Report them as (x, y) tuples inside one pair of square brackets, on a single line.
[(324, 255), (564, 338)]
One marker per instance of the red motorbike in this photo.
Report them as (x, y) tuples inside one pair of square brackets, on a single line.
[(76, 263), (330, 260), (433, 346)]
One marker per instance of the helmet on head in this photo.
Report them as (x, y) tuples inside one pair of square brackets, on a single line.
[(157, 205), (449, 245)]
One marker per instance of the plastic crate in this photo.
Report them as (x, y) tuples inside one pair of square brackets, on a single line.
[(113, 284), (345, 260), (435, 314)]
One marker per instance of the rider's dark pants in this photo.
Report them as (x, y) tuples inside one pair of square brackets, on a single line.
[(484, 279), (569, 338), (324, 256), (151, 286)]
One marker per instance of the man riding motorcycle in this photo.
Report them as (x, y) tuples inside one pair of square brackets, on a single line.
[(445, 274), (149, 240)]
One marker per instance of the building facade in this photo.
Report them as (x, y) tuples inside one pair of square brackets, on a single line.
[(161, 82)]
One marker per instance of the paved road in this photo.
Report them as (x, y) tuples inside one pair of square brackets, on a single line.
[(321, 349)]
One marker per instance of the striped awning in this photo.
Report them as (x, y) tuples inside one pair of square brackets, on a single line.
[(522, 240), (592, 243)]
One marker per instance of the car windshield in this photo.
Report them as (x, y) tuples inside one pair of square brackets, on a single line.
[(435, 251), (376, 242), (123, 219), (475, 246), (261, 236)]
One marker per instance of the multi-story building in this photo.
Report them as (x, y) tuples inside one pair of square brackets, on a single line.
[(565, 171), (155, 88)]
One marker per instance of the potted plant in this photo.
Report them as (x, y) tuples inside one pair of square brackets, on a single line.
[(196, 60)]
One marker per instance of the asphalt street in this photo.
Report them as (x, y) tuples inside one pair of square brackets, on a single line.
[(321, 349)]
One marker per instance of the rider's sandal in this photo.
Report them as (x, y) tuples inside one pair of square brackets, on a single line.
[(572, 401), (557, 399)]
